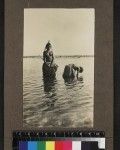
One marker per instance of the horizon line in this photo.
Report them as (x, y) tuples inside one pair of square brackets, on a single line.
[(61, 56)]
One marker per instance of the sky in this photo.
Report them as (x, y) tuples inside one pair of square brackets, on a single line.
[(70, 31)]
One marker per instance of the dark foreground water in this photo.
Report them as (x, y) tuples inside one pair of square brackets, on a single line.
[(56, 103)]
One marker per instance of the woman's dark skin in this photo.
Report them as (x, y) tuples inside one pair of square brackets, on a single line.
[(48, 54)]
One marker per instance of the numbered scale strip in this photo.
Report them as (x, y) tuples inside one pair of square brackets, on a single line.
[(58, 140)]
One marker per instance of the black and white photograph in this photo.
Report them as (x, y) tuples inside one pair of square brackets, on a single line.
[(58, 67)]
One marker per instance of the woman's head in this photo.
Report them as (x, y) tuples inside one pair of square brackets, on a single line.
[(48, 45), (80, 69)]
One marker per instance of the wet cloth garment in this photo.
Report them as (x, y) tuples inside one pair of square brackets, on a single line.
[(70, 71)]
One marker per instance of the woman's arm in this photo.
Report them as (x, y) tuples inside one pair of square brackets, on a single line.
[(77, 74), (76, 69), (52, 59), (44, 56)]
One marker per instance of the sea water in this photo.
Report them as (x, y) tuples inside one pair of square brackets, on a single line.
[(56, 103)]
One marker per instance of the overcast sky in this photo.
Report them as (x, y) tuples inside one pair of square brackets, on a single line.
[(70, 31)]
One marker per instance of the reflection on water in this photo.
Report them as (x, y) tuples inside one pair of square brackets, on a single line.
[(72, 81), (50, 91), (49, 84), (58, 102)]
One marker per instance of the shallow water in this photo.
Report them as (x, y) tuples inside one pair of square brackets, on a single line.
[(57, 103)]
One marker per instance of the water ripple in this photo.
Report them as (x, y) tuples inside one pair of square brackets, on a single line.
[(57, 103)]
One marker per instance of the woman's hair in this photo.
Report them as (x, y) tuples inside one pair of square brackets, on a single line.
[(48, 45), (80, 69)]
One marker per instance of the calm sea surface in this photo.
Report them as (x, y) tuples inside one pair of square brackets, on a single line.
[(56, 103)]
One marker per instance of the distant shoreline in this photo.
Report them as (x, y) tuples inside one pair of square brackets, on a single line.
[(58, 56)]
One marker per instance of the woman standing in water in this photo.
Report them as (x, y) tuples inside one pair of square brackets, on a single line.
[(48, 56), (49, 67)]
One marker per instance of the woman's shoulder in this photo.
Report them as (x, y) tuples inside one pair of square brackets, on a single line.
[(75, 67)]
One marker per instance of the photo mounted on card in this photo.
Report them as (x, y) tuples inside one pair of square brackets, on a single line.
[(58, 68), (58, 71)]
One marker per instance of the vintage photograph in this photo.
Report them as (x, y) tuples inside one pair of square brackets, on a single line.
[(58, 68)]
